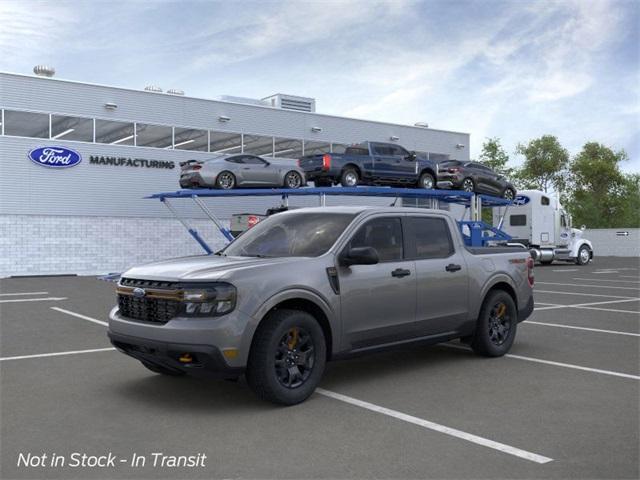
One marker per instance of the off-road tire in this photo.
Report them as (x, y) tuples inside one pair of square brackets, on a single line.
[(261, 370), (482, 343)]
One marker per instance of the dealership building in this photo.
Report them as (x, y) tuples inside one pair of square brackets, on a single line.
[(92, 217)]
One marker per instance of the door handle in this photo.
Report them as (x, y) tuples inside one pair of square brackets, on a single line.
[(452, 267), (246, 168), (400, 272)]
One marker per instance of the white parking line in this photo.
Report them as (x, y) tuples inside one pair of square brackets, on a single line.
[(56, 354), (23, 293), (84, 317), (589, 286), (628, 276), (48, 299), (590, 305), (606, 280), (598, 330), (605, 272), (610, 310), (567, 270), (580, 294), (556, 364), (485, 442)]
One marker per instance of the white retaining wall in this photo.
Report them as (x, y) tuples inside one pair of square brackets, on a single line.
[(607, 242)]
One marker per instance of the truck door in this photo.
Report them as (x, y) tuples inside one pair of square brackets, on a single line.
[(378, 302), (441, 276), (405, 166), (383, 159), (565, 229)]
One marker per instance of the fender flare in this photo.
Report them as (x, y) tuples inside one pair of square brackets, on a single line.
[(492, 282), (578, 244), (292, 294)]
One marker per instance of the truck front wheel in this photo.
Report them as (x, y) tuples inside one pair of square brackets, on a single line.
[(584, 255), (287, 357), (497, 324), (427, 181)]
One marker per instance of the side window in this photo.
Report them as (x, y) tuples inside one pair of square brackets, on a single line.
[(518, 220), (563, 220), (250, 159), (235, 159), (383, 234), (399, 151), (544, 200), (382, 150), (432, 237)]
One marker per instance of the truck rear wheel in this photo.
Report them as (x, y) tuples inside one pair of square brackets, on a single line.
[(349, 178), (427, 181), (287, 357), (496, 326)]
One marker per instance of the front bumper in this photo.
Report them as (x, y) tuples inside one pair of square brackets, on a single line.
[(207, 362), (220, 344)]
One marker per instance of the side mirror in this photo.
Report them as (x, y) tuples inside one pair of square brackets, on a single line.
[(266, 164), (583, 228), (359, 256), (412, 156)]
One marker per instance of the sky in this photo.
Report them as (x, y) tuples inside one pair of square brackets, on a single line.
[(509, 69)]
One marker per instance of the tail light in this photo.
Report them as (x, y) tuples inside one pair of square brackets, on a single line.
[(196, 167), (530, 276), (326, 161), (453, 170), (299, 163)]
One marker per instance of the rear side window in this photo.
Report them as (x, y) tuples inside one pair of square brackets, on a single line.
[(356, 151), (518, 220), (383, 234), (431, 237), (234, 160)]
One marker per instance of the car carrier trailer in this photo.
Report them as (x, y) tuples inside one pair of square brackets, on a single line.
[(475, 232)]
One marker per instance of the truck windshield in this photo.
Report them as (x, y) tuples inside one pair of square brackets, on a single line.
[(291, 235)]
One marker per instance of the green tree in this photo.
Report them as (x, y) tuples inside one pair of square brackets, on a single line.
[(545, 164), (600, 195), (494, 156)]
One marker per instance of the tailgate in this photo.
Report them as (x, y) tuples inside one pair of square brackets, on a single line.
[(312, 163)]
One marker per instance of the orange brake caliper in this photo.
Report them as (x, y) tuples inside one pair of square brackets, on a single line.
[(293, 341), (502, 308)]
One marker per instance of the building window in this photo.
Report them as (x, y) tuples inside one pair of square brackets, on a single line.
[(190, 139), (114, 133), (287, 148), (71, 128), (26, 124), (258, 145), (315, 148), (157, 136), (225, 142)]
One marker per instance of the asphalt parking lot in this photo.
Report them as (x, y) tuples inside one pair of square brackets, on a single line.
[(563, 404)]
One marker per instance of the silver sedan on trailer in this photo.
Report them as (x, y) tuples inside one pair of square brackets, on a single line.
[(241, 170)]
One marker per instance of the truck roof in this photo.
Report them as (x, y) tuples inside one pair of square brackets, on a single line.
[(360, 209)]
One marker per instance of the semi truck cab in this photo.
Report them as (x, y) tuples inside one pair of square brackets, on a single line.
[(538, 221)]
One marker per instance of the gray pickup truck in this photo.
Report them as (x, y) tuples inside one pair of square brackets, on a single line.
[(316, 284)]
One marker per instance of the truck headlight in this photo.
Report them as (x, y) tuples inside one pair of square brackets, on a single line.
[(210, 300)]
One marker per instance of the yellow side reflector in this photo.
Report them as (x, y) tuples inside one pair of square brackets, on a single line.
[(230, 353), (186, 358)]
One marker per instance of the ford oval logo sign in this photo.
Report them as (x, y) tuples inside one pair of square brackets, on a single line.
[(521, 200), (139, 292), (55, 157)]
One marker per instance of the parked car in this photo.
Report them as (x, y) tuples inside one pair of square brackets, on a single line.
[(370, 163), (241, 170), (474, 177), (310, 285)]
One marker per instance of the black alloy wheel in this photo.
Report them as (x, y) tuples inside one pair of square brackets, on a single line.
[(499, 324), (496, 326), (294, 358)]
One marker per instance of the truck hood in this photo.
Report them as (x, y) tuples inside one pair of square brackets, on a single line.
[(201, 267)]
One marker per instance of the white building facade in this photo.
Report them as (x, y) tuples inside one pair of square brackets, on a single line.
[(92, 218)]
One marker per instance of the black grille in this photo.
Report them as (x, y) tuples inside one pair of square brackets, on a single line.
[(156, 310), (148, 309)]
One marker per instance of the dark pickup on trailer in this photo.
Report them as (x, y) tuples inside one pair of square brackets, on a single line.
[(371, 163)]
